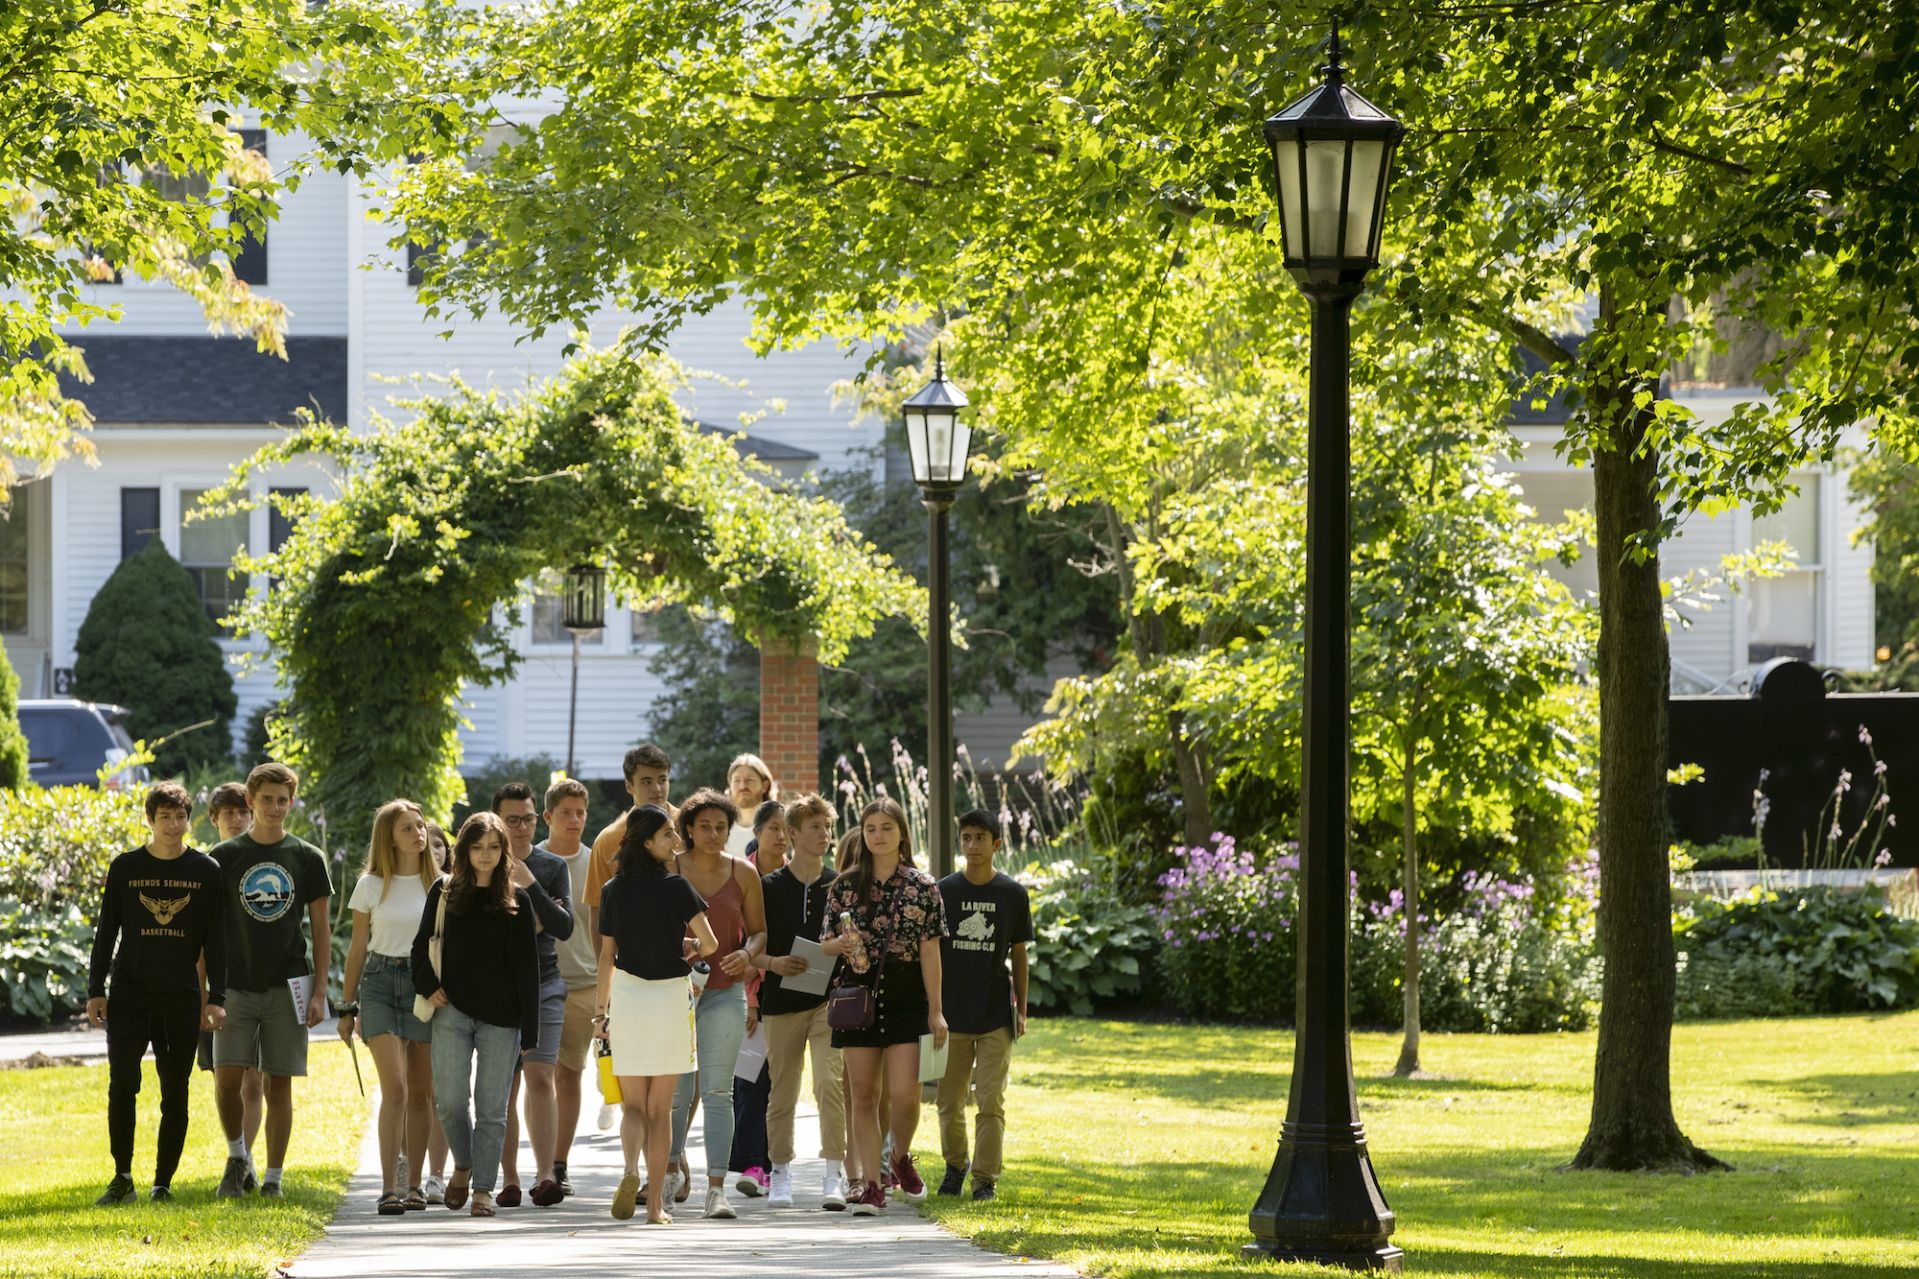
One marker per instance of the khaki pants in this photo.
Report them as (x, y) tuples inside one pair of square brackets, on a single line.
[(788, 1037), (980, 1060)]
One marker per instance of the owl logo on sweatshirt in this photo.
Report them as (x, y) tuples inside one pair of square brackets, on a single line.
[(163, 909)]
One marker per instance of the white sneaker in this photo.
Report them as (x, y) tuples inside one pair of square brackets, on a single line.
[(674, 1180), (779, 1192), (832, 1191), (716, 1205), (607, 1115), (435, 1190)]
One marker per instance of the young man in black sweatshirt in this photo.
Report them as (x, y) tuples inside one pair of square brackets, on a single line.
[(163, 907)]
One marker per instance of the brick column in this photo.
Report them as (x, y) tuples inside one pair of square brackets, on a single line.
[(790, 715)]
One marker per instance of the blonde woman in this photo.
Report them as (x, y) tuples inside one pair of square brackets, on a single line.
[(378, 992), (749, 783)]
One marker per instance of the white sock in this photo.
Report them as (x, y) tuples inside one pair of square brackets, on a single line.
[(272, 1178), (237, 1149)]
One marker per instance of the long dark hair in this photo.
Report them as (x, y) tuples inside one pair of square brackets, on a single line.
[(463, 890), (642, 824), (863, 877), (698, 803)]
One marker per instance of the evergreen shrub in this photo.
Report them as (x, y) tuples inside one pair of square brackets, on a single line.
[(148, 645)]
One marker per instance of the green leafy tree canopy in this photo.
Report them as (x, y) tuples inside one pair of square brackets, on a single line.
[(403, 587)]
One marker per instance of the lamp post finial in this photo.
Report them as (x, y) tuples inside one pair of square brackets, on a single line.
[(1335, 73)]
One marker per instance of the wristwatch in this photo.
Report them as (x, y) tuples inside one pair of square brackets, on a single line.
[(347, 1010)]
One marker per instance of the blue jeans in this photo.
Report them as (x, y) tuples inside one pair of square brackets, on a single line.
[(719, 1024), (475, 1133)]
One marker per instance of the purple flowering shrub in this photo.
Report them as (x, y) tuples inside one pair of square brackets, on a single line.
[(1225, 923), (1511, 957)]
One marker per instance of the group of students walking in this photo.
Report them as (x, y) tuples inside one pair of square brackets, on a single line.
[(482, 974)]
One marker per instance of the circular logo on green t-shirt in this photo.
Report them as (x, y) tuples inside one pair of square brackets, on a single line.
[(266, 891)]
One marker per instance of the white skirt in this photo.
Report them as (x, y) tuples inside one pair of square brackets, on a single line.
[(650, 1025)]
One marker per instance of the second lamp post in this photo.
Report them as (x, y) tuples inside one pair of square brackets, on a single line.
[(938, 442)]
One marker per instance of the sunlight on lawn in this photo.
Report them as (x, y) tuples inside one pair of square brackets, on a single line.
[(1135, 1150), (54, 1161)]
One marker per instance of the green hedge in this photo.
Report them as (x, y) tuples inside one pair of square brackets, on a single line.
[(13, 743), (55, 846), (1810, 950)]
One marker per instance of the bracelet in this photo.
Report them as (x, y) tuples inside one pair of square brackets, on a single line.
[(347, 1010)]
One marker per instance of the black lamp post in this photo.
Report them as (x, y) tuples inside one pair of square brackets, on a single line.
[(938, 442), (582, 609), (1332, 154)]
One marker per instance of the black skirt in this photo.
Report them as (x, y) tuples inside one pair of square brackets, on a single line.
[(899, 1014)]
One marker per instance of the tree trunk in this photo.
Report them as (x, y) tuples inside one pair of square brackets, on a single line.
[(1409, 888), (1632, 1123), (1195, 796)]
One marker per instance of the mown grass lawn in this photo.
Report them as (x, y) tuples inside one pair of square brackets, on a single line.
[(54, 1161), (1134, 1151)]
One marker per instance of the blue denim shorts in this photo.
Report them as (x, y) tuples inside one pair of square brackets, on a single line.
[(386, 1000)]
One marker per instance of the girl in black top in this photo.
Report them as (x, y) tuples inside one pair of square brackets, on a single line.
[(645, 998), (486, 997), (897, 921)]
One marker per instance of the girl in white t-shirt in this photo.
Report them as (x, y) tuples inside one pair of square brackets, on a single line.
[(387, 904)]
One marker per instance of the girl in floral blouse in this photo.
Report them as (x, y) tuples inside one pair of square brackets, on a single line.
[(896, 906)]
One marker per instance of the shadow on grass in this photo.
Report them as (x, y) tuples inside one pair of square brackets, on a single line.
[(1188, 1217), (1228, 1088), (1852, 1100)]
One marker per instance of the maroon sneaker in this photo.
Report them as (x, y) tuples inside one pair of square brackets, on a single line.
[(509, 1197), (868, 1202), (547, 1193), (906, 1180)]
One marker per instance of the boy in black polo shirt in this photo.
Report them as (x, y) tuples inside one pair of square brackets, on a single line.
[(989, 919), (795, 1020), (162, 907)]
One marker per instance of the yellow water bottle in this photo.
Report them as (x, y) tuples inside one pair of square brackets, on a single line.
[(609, 1082)]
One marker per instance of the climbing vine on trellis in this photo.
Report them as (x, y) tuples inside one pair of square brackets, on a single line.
[(400, 588)]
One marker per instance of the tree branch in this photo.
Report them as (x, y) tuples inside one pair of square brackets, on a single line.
[(1537, 340)]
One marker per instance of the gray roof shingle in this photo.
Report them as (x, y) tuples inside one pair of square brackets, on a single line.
[(207, 381)]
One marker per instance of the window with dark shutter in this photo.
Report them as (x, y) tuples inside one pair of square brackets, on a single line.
[(139, 519), (279, 524), (250, 257)]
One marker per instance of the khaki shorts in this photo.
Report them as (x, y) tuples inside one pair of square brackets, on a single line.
[(576, 1031), (262, 1029)]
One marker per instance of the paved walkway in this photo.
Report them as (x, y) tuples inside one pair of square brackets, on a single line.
[(580, 1238), (75, 1041)]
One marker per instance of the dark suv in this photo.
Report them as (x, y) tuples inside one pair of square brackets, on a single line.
[(68, 743)]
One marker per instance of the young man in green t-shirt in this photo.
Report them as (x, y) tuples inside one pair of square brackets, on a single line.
[(269, 879)]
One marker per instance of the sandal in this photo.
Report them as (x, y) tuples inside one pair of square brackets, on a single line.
[(456, 1188), (415, 1200), (482, 1204), (390, 1205)]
